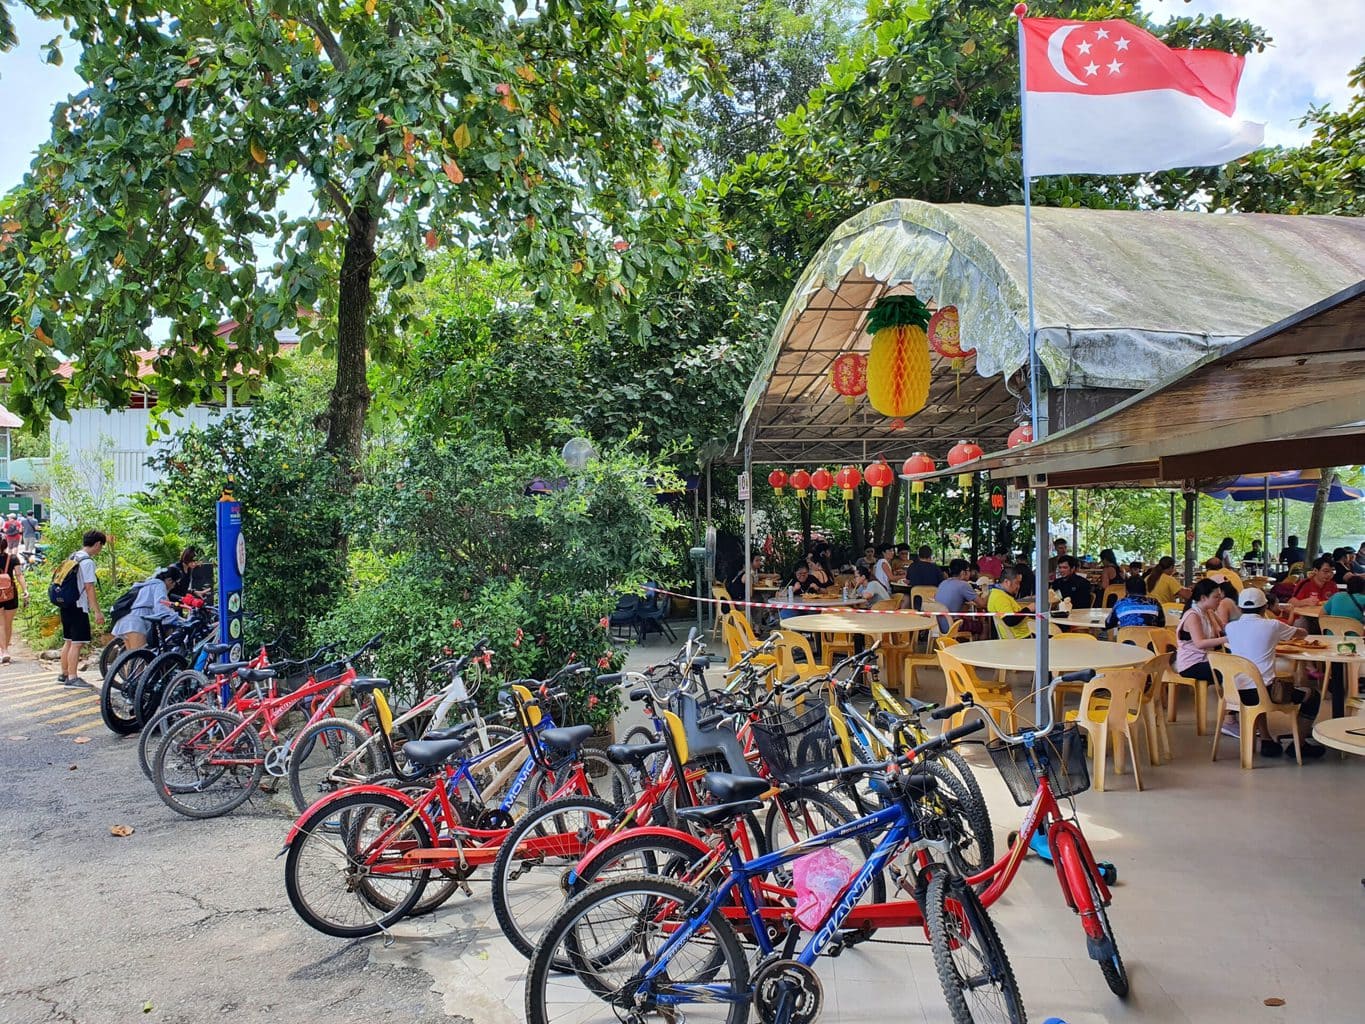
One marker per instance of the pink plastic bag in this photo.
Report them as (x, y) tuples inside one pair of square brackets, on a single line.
[(819, 878)]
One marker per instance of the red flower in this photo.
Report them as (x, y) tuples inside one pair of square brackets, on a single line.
[(603, 662), (457, 624), (604, 622), (620, 245), (447, 650), (593, 701), (517, 641), (487, 661)]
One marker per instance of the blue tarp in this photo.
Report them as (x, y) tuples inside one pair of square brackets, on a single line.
[(1292, 484)]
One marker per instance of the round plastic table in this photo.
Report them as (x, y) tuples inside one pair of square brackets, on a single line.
[(1082, 618), (1019, 655), (1345, 734)]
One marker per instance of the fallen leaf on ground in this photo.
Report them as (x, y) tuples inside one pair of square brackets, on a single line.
[(147, 1006), (81, 739), (17, 739), (72, 767), (1274, 1001), (120, 830)]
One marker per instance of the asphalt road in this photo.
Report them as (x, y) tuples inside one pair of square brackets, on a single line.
[(182, 921)]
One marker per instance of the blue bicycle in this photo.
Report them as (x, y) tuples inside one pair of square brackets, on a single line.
[(639, 948)]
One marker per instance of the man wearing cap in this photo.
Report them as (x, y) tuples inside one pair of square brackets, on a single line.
[(1254, 636)]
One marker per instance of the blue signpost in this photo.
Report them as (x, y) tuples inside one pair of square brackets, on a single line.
[(231, 567)]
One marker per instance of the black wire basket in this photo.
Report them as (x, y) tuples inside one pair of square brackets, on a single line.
[(792, 745), (1061, 755)]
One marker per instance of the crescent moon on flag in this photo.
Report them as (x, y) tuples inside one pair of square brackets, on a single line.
[(1054, 54)]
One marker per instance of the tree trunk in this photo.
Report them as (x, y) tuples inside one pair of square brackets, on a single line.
[(857, 533), (1314, 544), (888, 515), (351, 394)]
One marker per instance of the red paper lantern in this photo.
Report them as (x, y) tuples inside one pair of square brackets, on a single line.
[(960, 454), (945, 335), (897, 425), (848, 480), (822, 480), (848, 375), (777, 480), (800, 481), (918, 465), (879, 477), (1022, 434)]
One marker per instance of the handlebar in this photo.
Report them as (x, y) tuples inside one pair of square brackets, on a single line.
[(947, 712), (904, 761)]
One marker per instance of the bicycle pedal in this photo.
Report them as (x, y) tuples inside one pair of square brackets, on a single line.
[(277, 761)]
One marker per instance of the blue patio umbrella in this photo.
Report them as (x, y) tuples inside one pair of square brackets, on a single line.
[(1296, 485)]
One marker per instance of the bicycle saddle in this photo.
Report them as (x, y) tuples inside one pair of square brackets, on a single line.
[(565, 741), (717, 740), (634, 753), (432, 752), (369, 685), (216, 649), (729, 788), (463, 731), (714, 815), (223, 668), (255, 675)]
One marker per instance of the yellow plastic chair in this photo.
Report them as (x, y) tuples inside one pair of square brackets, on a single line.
[(1341, 626), (1153, 720), (1231, 673), (1060, 690), (916, 660), (739, 640), (788, 646), (1110, 704), (963, 681), (1165, 642), (918, 595), (1114, 590)]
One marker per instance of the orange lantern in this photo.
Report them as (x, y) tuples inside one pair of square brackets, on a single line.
[(879, 477), (897, 425), (778, 480), (960, 454), (898, 365), (822, 480), (848, 480), (848, 376), (918, 464), (800, 481), (1022, 434)]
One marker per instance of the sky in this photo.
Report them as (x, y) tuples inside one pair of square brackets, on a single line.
[(1315, 47)]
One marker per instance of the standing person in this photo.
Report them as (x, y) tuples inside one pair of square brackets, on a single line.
[(29, 544), (1224, 552), (13, 588), (1072, 585), (957, 595), (76, 619), (13, 531), (150, 607), (187, 563), (1058, 551), (1003, 601)]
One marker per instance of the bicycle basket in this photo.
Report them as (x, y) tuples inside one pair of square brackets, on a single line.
[(795, 745), (1067, 764)]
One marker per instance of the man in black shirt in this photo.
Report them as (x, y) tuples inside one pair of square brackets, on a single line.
[(1071, 584), (1292, 552), (922, 572)]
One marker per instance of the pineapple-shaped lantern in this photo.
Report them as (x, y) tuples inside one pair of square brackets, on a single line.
[(898, 365)]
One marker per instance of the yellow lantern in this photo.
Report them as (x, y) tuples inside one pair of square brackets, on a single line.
[(898, 366)]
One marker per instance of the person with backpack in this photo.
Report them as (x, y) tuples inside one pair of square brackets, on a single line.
[(73, 592), (13, 531), (150, 607), (13, 587)]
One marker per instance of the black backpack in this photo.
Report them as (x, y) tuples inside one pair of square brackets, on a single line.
[(124, 604), (65, 589)]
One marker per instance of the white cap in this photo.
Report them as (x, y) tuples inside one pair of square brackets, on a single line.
[(1251, 599)]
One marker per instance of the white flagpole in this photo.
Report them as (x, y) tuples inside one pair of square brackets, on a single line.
[(1040, 539)]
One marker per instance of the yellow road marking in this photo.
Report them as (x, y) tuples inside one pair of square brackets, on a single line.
[(84, 710), (80, 727), (56, 702), (9, 682), (46, 686)]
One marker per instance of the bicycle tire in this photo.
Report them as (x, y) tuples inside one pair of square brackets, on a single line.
[(801, 799), (184, 685), (964, 820), (546, 984), (153, 681), (521, 928), (305, 747), (1115, 973), (119, 688), (605, 777), (154, 732), (957, 922), (247, 747), (960, 767), (654, 765), (319, 828), (109, 654)]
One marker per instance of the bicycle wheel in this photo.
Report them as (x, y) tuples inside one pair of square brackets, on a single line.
[(973, 970), (610, 934), (152, 682), (341, 872), (957, 764), (154, 732), (117, 706), (530, 874), (184, 685), (801, 812), (653, 766), (109, 654), (315, 762), (208, 764), (605, 778), (1104, 949), (953, 816)]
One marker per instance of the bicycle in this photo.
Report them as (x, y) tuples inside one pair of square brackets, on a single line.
[(382, 844), (118, 690), (218, 754), (678, 949)]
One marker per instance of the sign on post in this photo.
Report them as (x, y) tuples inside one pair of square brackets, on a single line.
[(231, 567), (744, 487)]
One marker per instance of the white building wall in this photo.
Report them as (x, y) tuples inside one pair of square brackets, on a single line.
[(85, 437)]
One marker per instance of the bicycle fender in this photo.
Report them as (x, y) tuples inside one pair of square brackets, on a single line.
[(1071, 856), (369, 790), (662, 831)]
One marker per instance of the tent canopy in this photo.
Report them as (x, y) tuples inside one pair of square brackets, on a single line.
[(1124, 299), (1296, 485)]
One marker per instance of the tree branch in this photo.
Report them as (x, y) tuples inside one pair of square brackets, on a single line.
[(329, 42)]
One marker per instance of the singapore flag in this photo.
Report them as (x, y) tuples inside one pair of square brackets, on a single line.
[(1105, 97)]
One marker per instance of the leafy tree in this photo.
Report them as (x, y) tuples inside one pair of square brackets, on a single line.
[(409, 123), (923, 105)]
